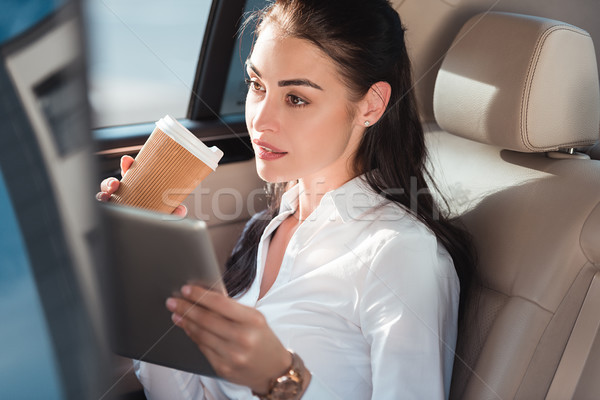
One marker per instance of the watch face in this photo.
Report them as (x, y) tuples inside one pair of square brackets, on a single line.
[(285, 388)]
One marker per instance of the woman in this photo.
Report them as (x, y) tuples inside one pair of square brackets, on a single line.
[(352, 267)]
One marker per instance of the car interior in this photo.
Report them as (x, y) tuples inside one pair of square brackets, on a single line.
[(509, 97), (507, 125)]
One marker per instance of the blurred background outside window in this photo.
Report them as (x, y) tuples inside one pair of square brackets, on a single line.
[(142, 57)]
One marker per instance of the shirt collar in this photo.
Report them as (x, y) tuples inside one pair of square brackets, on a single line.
[(289, 200), (352, 200)]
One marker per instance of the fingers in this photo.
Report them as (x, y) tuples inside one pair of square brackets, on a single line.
[(102, 196), (216, 360), (196, 320), (236, 339), (126, 162), (109, 185), (107, 188), (211, 345), (180, 211), (217, 302)]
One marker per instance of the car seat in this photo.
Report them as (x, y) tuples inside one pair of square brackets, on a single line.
[(515, 97)]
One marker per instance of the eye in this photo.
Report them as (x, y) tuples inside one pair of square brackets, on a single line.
[(254, 85), (296, 101)]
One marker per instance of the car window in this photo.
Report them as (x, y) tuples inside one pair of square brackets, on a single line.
[(142, 57), (234, 97)]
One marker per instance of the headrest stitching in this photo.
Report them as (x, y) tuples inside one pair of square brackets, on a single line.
[(529, 82)]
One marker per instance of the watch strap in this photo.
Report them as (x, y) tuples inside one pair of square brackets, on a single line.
[(293, 376)]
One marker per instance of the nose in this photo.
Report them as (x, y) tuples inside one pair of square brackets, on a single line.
[(264, 115)]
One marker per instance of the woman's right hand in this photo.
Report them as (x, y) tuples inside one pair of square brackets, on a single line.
[(110, 185)]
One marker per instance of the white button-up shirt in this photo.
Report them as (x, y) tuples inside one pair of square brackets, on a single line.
[(365, 295)]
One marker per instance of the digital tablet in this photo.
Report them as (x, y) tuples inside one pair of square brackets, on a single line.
[(150, 256)]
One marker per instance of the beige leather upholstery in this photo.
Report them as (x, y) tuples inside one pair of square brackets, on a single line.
[(225, 200), (535, 220), (594, 151), (540, 81)]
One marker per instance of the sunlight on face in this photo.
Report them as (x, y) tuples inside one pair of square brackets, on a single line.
[(297, 112)]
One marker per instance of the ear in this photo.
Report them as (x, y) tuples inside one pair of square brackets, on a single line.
[(372, 106)]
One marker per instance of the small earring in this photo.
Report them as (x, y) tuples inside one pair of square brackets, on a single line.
[(367, 123)]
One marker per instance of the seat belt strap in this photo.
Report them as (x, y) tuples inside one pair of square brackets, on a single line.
[(578, 347)]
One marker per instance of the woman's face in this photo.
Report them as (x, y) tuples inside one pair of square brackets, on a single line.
[(298, 112)]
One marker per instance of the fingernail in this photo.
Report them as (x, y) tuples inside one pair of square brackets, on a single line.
[(99, 196), (186, 290), (176, 318), (171, 304), (111, 183)]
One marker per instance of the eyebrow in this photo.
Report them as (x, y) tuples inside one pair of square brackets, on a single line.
[(287, 82)]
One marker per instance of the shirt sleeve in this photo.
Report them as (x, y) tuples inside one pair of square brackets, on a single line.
[(167, 383), (318, 390), (408, 315)]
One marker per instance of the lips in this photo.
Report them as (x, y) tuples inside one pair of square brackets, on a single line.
[(266, 151)]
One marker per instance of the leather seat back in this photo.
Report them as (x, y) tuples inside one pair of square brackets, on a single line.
[(513, 94)]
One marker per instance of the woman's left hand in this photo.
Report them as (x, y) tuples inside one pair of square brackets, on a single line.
[(235, 338)]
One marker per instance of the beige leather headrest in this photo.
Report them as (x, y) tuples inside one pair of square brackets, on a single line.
[(519, 82)]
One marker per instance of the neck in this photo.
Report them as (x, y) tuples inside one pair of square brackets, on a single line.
[(313, 187)]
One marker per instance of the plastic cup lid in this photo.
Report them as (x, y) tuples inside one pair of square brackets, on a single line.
[(179, 133)]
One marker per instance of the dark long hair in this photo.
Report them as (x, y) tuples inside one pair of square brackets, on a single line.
[(365, 39)]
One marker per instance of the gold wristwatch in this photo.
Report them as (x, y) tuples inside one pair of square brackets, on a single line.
[(288, 386)]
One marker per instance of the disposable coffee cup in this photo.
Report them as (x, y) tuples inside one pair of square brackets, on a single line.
[(167, 169)]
